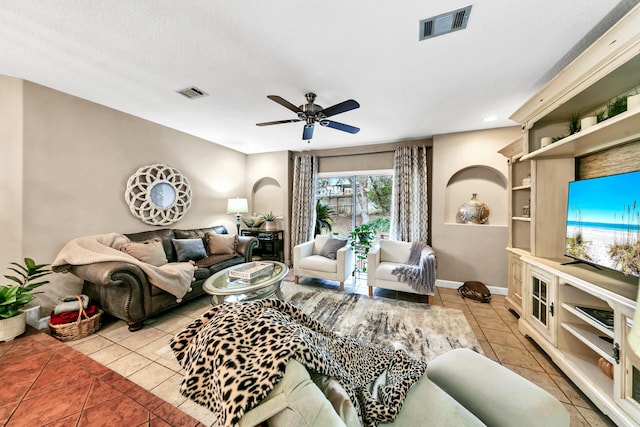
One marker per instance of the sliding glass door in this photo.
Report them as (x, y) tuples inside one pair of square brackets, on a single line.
[(346, 201)]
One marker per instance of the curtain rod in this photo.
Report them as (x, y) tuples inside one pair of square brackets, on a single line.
[(346, 155), (355, 154), (352, 154)]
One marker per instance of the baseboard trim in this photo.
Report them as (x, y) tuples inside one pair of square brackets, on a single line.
[(450, 284)]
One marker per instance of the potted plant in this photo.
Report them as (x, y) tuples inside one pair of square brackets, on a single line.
[(361, 240), (574, 123), (617, 106), (14, 297), (269, 221), (323, 218)]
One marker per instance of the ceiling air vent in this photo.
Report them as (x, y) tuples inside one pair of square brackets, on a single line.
[(444, 23), (192, 92)]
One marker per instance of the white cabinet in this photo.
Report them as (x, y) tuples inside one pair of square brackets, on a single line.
[(513, 300), (627, 392), (539, 301), (580, 317), (519, 231)]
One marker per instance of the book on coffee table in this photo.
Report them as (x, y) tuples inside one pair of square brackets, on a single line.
[(251, 270)]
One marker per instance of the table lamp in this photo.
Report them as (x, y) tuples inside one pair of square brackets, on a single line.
[(237, 206)]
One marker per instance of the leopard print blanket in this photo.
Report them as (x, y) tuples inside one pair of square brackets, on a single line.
[(234, 355)]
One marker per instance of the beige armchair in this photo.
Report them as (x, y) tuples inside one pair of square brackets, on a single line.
[(382, 259), (321, 259)]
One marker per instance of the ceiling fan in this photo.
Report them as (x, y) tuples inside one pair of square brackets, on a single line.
[(311, 114)]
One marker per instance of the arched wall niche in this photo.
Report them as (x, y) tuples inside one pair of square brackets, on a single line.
[(267, 196), (490, 185)]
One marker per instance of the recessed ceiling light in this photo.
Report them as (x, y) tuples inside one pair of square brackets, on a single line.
[(490, 119)]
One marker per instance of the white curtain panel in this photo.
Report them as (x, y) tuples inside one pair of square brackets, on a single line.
[(303, 213), (409, 205)]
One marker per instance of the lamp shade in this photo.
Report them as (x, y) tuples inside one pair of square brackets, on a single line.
[(237, 205)]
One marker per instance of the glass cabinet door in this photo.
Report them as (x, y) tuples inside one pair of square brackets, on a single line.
[(540, 301), (629, 372)]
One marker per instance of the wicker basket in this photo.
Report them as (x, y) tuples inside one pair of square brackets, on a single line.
[(81, 328)]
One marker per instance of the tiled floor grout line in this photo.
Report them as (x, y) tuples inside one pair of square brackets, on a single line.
[(522, 356)]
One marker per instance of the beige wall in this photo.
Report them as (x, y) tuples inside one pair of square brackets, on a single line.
[(77, 158), (466, 163), (268, 189), (10, 171), (361, 158)]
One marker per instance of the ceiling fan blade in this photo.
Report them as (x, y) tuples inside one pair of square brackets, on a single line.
[(278, 122), (284, 103), (307, 132), (347, 105), (339, 126)]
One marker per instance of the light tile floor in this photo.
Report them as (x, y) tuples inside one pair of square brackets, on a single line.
[(145, 358)]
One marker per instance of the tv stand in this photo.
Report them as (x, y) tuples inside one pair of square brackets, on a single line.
[(582, 320)]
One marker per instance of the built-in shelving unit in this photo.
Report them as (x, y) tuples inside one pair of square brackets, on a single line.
[(543, 291), (613, 132)]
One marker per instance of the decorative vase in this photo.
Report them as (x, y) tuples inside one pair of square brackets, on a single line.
[(526, 209), (633, 102), (587, 122), (473, 211), (270, 225), (12, 327), (606, 367), (547, 140)]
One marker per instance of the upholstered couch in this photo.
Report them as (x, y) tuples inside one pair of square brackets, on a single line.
[(123, 289), (460, 388)]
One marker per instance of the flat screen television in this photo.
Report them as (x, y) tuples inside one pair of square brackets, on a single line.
[(603, 219)]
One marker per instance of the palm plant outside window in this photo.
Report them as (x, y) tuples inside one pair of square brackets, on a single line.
[(352, 201)]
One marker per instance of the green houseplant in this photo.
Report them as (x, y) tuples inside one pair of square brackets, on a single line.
[(323, 218), (617, 106), (361, 241), (574, 123), (15, 296), (269, 220)]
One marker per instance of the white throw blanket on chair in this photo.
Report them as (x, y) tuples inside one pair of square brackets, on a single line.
[(420, 270)]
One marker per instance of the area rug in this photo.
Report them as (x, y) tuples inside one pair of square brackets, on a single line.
[(425, 331)]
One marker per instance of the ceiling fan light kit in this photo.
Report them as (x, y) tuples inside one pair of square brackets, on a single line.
[(312, 113)]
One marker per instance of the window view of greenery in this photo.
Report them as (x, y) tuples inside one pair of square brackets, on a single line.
[(344, 202)]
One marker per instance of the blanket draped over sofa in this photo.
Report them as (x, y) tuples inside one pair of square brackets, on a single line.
[(174, 278), (234, 355), (420, 270)]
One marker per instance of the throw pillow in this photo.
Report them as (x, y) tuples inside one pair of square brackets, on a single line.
[(221, 244), (331, 247), (149, 251), (189, 249)]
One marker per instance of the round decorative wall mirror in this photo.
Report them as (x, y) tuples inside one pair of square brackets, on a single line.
[(163, 195), (158, 194)]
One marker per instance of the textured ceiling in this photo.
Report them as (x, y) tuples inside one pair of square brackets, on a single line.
[(134, 55)]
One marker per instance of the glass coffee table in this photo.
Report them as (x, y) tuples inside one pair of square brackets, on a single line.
[(223, 289)]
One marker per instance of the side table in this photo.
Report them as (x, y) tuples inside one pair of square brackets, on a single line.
[(270, 244)]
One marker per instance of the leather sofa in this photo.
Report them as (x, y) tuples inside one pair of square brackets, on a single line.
[(459, 388), (123, 291)]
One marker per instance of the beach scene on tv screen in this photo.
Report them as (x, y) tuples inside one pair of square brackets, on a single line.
[(603, 220)]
